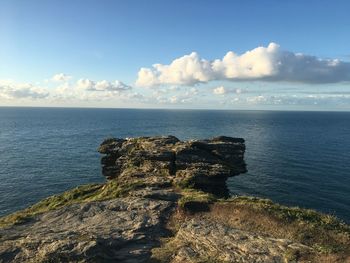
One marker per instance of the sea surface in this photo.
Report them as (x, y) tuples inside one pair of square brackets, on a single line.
[(294, 158)]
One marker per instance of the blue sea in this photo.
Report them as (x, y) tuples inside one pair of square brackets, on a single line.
[(294, 158)]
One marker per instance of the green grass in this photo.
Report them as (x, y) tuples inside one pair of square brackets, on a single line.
[(192, 195), (84, 193)]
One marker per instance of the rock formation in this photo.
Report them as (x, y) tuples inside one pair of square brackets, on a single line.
[(203, 164), (165, 201)]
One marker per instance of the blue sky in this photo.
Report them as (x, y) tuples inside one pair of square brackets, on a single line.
[(88, 45)]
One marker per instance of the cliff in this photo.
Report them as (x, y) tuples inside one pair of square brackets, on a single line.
[(166, 200)]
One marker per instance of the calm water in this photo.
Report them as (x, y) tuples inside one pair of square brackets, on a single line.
[(295, 158)]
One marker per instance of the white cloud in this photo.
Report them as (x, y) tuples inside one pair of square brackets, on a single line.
[(179, 97), (257, 99), (269, 63), (187, 70), (86, 89), (10, 90), (61, 77), (219, 90), (103, 85), (82, 90)]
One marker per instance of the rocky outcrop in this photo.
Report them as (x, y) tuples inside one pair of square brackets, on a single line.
[(161, 204), (201, 164)]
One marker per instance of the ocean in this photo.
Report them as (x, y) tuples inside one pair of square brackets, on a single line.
[(294, 158)]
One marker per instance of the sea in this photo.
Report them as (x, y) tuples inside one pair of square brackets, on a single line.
[(293, 158)]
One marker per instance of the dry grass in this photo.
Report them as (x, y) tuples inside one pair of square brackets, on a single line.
[(328, 236)]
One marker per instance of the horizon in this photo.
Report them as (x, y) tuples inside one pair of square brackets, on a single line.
[(175, 55), (173, 109)]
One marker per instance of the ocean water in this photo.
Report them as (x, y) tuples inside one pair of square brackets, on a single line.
[(294, 158)]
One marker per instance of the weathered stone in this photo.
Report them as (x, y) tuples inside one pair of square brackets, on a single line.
[(119, 230)]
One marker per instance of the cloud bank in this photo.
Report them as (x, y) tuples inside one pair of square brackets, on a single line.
[(83, 89), (102, 85), (269, 63), (10, 90)]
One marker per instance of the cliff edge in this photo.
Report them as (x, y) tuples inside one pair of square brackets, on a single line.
[(166, 200)]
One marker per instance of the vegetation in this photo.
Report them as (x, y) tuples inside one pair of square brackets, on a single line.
[(195, 196), (324, 233), (84, 193), (293, 214), (327, 235)]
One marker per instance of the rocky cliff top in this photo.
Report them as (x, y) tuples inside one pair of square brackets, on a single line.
[(201, 164), (166, 200)]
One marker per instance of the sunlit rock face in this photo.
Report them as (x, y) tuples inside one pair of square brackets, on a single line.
[(201, 164)]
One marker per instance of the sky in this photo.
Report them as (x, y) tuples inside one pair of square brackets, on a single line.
[(192, 54)]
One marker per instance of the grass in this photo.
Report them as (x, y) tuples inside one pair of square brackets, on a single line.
[(84, 193), (325, 234), (195, 196), (293, 214), (165, 252)]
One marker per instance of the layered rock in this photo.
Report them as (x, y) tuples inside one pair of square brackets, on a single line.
[(202, 164)]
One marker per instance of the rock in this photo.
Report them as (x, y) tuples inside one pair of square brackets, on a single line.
[(119, 230), (204, 164)]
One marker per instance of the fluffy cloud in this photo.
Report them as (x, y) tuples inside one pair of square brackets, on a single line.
[(10, 90), (61, 77), (83, 90), (103, 85), (187, 70), (269, 63)]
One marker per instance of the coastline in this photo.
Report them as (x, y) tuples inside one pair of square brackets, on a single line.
[(166, 201)]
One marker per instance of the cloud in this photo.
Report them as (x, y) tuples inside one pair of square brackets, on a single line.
[(90, 90), (269, 63), (82, 90), (187, 70), (257, 99), (334, 100), (219, 90), (61, 77), (10, 90), (103, 85), (181, 96)]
